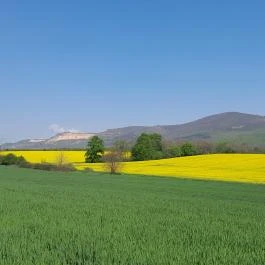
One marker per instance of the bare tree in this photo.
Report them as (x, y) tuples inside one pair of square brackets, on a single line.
[(60, 159), (112, 161), (204, 147), (122, 147)]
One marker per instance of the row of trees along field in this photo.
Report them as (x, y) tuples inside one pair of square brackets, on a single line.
[(151, 147)]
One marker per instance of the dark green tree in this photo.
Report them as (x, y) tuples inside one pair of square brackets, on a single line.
[(95, 150), (11, 159), (187, 149), (147, 147), (173, 151)]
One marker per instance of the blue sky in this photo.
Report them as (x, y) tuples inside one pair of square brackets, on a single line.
[(93, 65)]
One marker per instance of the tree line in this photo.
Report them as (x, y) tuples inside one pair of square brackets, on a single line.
[(151, 146), (148, 146)]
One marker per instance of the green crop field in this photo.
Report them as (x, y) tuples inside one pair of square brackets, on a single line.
[(91, 218)]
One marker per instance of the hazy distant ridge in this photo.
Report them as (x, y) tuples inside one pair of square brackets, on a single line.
[(229, 126)]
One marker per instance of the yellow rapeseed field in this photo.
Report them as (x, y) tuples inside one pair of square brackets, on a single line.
[(49, 156), (227, 167)]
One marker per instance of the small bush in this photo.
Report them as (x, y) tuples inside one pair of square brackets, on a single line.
[(88, 169), (11, 159), (173, 151), (21, 161), (49, 167), (187, 149)]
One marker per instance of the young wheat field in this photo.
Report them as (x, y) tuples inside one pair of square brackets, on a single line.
[(92, 218)]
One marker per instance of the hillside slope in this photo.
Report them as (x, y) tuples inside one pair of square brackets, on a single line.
[(230, 126)]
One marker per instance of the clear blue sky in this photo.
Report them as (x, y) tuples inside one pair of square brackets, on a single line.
[(93, 65)]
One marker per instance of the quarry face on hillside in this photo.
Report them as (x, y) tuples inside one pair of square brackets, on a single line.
[(68, 136)]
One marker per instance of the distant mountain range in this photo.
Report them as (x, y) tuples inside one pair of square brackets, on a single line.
[(59, 141), (230, 126)]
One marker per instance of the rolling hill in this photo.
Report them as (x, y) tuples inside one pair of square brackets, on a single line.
[(230, 126)]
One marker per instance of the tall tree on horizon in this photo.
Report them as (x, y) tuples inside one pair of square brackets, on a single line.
[(95, 150)]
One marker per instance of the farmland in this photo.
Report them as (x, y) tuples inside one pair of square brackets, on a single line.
[(38, 156), (93, 218), (227, 167)]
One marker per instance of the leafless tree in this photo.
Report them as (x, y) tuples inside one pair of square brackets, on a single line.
[(60, 159), (112, 161), (204, 147), (122, 147)]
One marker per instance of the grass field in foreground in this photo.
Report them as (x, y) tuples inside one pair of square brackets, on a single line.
[(89, 218)]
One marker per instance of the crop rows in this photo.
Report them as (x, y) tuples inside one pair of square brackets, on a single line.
[(90, 218)]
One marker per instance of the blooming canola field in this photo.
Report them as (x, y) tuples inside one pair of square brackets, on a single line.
[(225, 167), (39, 156)]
